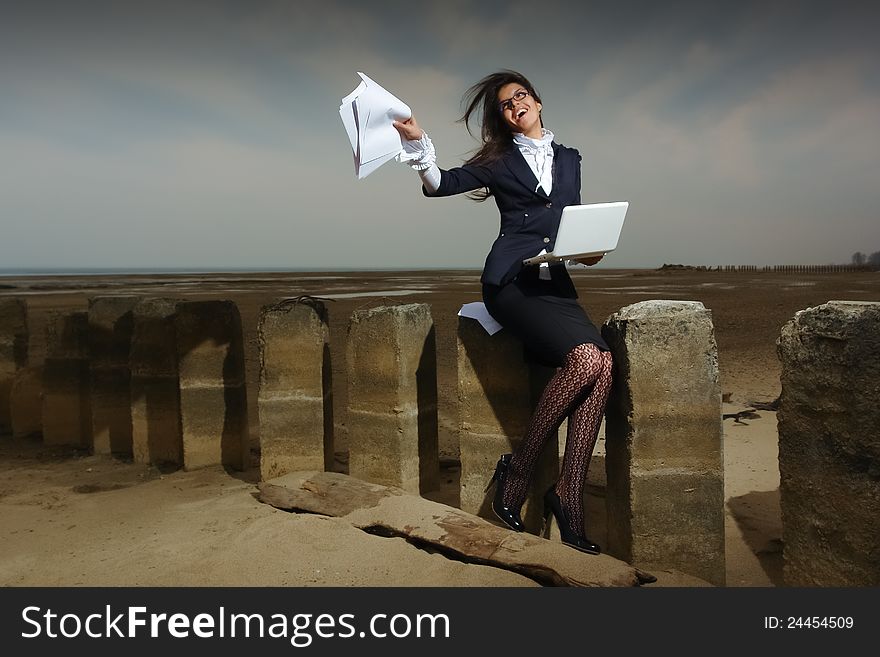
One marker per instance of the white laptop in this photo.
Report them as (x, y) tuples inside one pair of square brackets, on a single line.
[(585, 231)]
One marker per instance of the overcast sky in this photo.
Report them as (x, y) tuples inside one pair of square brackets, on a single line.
[(207, 135)]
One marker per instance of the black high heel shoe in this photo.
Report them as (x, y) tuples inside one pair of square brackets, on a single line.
[(508, 516), (552, 504)]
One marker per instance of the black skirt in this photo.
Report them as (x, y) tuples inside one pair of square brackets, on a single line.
[(541, 313)]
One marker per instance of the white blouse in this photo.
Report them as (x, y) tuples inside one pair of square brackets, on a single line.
[(538, 154)]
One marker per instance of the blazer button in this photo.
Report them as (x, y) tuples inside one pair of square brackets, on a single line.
[(549, 205), (546, 240), (527, 214)]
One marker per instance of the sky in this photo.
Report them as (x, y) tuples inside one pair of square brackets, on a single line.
[(206, 134)]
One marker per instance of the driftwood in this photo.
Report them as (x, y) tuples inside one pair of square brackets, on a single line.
[(388, 511)]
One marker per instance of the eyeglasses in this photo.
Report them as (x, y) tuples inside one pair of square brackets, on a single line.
[(508, 104)]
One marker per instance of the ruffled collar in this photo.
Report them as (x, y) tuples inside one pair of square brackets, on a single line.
[(534, 145)]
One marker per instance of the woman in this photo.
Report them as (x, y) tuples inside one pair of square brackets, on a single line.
[(532, 178)]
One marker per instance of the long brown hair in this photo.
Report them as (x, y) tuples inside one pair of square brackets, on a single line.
[(482, 98)]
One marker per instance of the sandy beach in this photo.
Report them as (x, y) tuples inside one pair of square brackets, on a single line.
[(71, 518)]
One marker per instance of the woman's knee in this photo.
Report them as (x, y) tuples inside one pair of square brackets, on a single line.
[(583, 355), (607, 364)]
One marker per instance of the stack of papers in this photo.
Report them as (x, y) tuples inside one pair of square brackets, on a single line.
[(368, 114)]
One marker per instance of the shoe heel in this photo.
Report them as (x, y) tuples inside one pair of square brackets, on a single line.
[(567, 536), (509, 516), (545, 528), (548, 509), (495, 477)]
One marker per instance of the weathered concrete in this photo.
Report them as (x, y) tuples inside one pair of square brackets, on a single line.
[(111, 323), (26, 402), (213, 396), (392, 397), (829, 445), (66, 408), (497, 391), (156, 432), (296, 397), (663, 440), (13, 353)]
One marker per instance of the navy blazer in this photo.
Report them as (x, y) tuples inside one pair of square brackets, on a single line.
[(529, 218)]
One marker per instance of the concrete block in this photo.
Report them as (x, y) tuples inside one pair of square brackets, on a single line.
[(213, 397), (26, 402), (214, 426), (386, 447), (155, 421), (14, 337), (392, 397), (66, 407), (296, 397), (664, 447), (157, 436), (286, 451), (111, 324), (498, 391), (829, 445)]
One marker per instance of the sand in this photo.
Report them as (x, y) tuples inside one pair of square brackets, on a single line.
[(72, 519)]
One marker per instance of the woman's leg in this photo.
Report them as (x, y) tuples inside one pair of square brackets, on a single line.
[(583, 366), (583, 429)]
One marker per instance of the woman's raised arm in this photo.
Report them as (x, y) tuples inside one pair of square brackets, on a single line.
[(418, 152)]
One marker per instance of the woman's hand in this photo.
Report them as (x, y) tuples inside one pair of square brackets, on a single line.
[(409, 129), (590, 261)]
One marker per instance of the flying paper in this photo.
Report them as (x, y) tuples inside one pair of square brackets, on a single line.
[(368, 114)]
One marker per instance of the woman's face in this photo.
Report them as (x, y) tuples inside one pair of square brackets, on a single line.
[(521, 112)]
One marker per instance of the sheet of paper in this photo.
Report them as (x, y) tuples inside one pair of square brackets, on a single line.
[(477, 310), (368, 114)]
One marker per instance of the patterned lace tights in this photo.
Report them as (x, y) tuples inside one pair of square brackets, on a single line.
[(578, 390)]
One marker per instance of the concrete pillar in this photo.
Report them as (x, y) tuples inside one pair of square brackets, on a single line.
[(213, 397), (111, 323), (392, 397), (296, 397), (13, 353), (26, 402), (66, 409), (663, 440), (829, 445), (155, 389), (497, 391)]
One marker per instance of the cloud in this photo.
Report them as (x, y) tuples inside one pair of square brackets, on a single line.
[(736, 131)]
